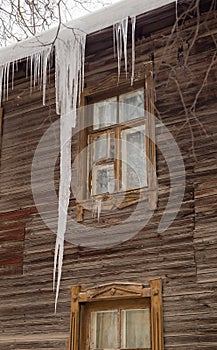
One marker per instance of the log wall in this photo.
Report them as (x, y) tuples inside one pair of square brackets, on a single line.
[(184, 256)]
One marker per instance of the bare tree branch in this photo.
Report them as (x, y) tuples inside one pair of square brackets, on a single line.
[(20, 19)]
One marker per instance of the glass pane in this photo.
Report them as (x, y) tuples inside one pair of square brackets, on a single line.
[(104, 326), (135, 329), (105, 113), (100, 147), (103, 179), (134, 158), (131, 105), (112, 145)]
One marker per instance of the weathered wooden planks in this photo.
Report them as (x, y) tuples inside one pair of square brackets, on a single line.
[(184, 256)]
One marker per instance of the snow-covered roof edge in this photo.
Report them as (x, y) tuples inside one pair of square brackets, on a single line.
[(89, 24)]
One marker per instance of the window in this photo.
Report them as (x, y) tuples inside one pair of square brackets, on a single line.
[(117, 157), (118, 149), (120, 325), (117, 317)]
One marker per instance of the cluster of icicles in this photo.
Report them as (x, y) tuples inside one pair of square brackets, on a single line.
[(69, 74)]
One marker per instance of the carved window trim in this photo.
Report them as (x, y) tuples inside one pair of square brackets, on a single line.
[(151, 293), (131, 197)]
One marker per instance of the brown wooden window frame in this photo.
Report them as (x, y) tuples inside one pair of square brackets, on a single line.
[(84, 301), (117, 130), (99, 94)]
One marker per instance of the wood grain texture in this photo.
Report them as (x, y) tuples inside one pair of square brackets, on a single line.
[(1, 130), (108, 297), (184, 256), (156, 315)]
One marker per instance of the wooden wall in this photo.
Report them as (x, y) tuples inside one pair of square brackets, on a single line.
[(184, 256)]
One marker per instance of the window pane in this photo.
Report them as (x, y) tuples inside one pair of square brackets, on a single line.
[(135, 329), (100, 147), (103, 179), (105, 113), (112, 145), (104, 326), (134, 158), (131, 105)]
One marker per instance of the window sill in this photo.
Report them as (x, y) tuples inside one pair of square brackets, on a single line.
[(112, 201)]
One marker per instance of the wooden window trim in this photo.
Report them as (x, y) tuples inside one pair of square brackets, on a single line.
[(109, 293), (131, 196), (118, 304), (151, 137), (116, 129)]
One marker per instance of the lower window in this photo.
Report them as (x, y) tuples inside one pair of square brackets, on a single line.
[(117, 317), (119, 325)]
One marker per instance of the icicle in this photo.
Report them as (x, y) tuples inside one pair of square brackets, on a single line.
[(27, 66), (46, 55), (124, 34), (83, 61), (118, 36), (7, 78), (58, 261), (176, 12), (38, 69), (133, 23), (96, 209), (120, 31), (114, 39), (93, 209), (38, 72), (34, 64), (12, 78), (31, 70), (1, 83), (4, 82), (99, 208), (69, 61)]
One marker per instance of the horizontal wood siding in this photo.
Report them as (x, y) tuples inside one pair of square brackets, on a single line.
[(12, 231), (184, 256)]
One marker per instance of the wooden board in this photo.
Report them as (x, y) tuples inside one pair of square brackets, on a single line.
[(184, 256)]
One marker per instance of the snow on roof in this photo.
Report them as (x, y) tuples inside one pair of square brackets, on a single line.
[(89, 24)]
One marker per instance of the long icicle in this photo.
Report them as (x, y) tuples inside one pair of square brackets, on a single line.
[(118, 44), (176, 12), (124, 25), (12, 82), (45, 59), (120, 34), (69, 72), (133, 24), (7, 78), (4, 80), (31, 71)]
